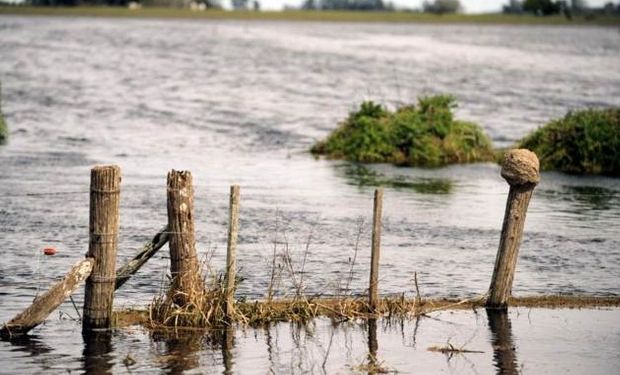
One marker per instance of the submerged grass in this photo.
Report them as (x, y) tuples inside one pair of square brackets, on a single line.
[(422, 135), (582, 142)]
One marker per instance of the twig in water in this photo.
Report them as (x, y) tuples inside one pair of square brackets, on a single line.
[(75, 307)]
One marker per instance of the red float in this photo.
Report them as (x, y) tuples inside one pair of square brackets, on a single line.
[(49, 251)]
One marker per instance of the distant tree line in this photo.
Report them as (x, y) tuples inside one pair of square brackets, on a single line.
[(441, 6), (550, 7), (436, 6), (166, 3), (346, 5)]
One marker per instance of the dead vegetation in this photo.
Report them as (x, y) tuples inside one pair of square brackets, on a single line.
[(286, 299), (260, 313)]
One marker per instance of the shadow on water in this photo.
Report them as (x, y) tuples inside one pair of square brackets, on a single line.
[(504, 351), (97, 356), (361, 176)]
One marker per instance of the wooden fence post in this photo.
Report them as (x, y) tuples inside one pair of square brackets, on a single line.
[(105, 184), (373, 296), (48, 302), (186, 281), (231, 260), (520, 170)]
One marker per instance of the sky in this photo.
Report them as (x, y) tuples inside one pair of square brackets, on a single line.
[(471, 6)]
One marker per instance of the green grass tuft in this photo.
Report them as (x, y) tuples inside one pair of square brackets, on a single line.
[(583, 142), (422, 135)]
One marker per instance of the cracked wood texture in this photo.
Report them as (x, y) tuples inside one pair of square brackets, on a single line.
[(521, 170), (105, 184), (43, 305), (186, 281)]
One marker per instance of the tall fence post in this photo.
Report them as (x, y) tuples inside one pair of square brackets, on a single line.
[(373, 296), (520, 170), (105, 184), (231, 260), (186, 281)]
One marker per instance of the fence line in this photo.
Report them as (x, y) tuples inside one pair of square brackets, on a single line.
[(520, 169)]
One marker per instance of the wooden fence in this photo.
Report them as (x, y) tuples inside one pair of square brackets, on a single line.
[(520, 169)]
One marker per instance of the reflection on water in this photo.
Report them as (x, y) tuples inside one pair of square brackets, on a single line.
[(595, 197), (504, 351), (98, 352), (530, 342), (31, 345), (180, 350), (228, 343), (373, 344), (362, 176)]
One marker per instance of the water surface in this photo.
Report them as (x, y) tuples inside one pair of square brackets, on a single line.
[(241, 102)]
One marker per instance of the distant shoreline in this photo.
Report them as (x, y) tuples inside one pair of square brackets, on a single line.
[(313, 16)]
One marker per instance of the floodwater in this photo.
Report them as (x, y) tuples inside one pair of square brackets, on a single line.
[(241, 102), (535, 341)]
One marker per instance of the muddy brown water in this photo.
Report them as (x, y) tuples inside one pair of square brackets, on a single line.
[(238, 102)]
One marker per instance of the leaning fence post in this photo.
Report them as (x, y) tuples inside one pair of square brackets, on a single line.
[(233, 230), (520, 170), (186, 281), (373, 296), (105, 184)]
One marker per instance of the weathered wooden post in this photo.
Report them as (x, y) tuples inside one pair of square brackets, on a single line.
[(520, 169), (186, 281), (373, 296), (48, 302), (231, 261), (105, 183)]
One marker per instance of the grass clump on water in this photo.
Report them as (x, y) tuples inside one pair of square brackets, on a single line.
[(582, 142), (422, 135)]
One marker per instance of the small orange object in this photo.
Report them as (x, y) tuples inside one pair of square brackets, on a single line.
[(49, 251)]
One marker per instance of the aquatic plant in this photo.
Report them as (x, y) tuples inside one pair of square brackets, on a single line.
[(582, 142), (422, 135)]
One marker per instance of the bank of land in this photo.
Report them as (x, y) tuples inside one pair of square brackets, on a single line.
[(300, 15)]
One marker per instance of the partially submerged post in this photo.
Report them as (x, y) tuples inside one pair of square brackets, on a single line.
[(233, 230), (521, 170), (105, 184), (48, 302), (373, 296), (184, 268)]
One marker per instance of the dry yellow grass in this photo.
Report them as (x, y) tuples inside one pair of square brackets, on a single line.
[(259, 313)]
